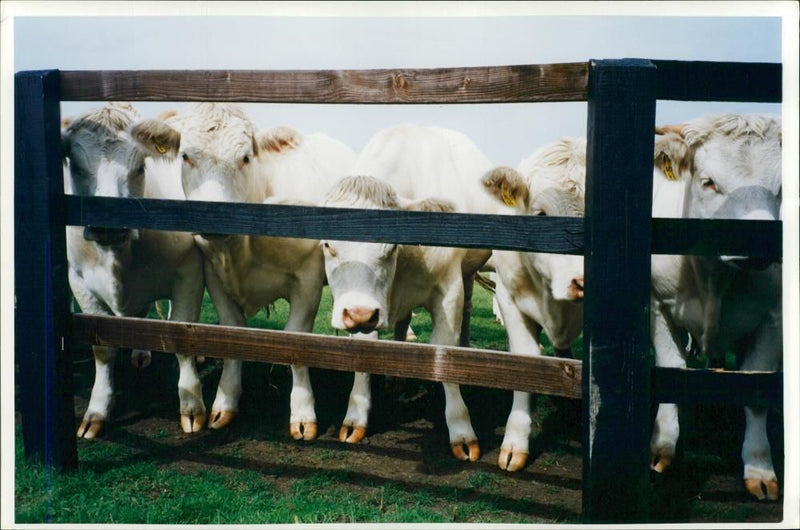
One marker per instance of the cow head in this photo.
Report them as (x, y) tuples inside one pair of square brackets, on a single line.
[(220, 150), (731, 163), (549, 183), (101, 160), (360, 275)]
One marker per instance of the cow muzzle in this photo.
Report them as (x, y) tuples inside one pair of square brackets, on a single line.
[(107, 237), (575, 289), (361, 319)]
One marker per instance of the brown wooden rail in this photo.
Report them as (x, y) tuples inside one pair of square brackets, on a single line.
[(486, 84), (560, 377)]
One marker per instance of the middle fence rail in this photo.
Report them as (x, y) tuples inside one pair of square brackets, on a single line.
[(621, 95)]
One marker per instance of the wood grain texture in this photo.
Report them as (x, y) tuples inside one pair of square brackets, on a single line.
[(719, 81), (737, 389), (41, 309), (616, 336), (543, 234), (544, 375), (490, 84)]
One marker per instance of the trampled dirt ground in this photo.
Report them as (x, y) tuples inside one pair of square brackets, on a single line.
[(407, 444)]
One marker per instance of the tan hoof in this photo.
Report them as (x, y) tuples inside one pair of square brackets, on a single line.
[(192, 423), (303, 430), (352, 437), (660, 463), (473, 451), (90, 429), (512, 460), (221, 418), (757, 488)]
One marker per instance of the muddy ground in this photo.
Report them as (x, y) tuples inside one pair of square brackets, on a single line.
[(407, 444)]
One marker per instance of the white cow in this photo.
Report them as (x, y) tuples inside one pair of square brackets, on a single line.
[(224, 158), (416, 162), (537, 291), (730, 166), (731, 169), (376, 285), (438, 162), (122, 272)]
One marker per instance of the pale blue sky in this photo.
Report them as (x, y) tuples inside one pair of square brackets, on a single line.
[(506, 133)]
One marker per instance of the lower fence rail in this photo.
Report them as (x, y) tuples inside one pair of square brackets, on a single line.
[(469, 366)]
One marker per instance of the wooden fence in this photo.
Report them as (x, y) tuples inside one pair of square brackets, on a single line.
[(617, 237)]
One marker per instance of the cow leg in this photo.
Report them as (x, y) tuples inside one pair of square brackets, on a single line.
[(187, 298), (229, 390), (446, 312), (102, 397), (466, 316), (523, 338), (303, 306), (668, 353), (354, 425), (759, 474)]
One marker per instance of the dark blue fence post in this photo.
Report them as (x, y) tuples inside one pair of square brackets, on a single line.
[(616, 338), (41, 309)]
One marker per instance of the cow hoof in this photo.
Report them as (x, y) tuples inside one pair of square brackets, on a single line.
[(90, 428), (473, 452), (352, 437), (660, 463), (303, 430), (192, 422), (221, 418), (511, 460), (762, 489)]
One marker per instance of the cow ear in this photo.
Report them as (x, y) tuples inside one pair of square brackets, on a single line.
[(278, 140), (156, 138), (164, 115), (666, 129), (508, 186), (672, 155)]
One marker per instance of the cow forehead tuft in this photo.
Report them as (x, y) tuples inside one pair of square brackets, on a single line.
[(109, 119), (736, 126), (561, 164), (363, 191)]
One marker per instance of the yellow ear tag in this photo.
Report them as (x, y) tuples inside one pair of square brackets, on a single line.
[(508, 199), (161, 149), (668, 169)]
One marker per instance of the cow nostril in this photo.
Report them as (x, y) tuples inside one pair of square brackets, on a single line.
[(360, 317), (576, 287), (373, 320)]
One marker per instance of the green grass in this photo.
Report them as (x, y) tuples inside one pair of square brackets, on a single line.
[(120, 482), (127, 479)]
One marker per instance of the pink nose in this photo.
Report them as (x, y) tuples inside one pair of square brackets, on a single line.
[(575, 289), (360, 318)]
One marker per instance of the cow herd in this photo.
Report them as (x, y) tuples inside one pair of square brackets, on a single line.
[(716, 166)]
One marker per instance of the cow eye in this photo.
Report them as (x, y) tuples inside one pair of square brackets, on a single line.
[(246, 160), (708, 184), (541, 213), (185, 157)]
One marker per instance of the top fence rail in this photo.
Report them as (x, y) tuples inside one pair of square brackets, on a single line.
[(562, 82)]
